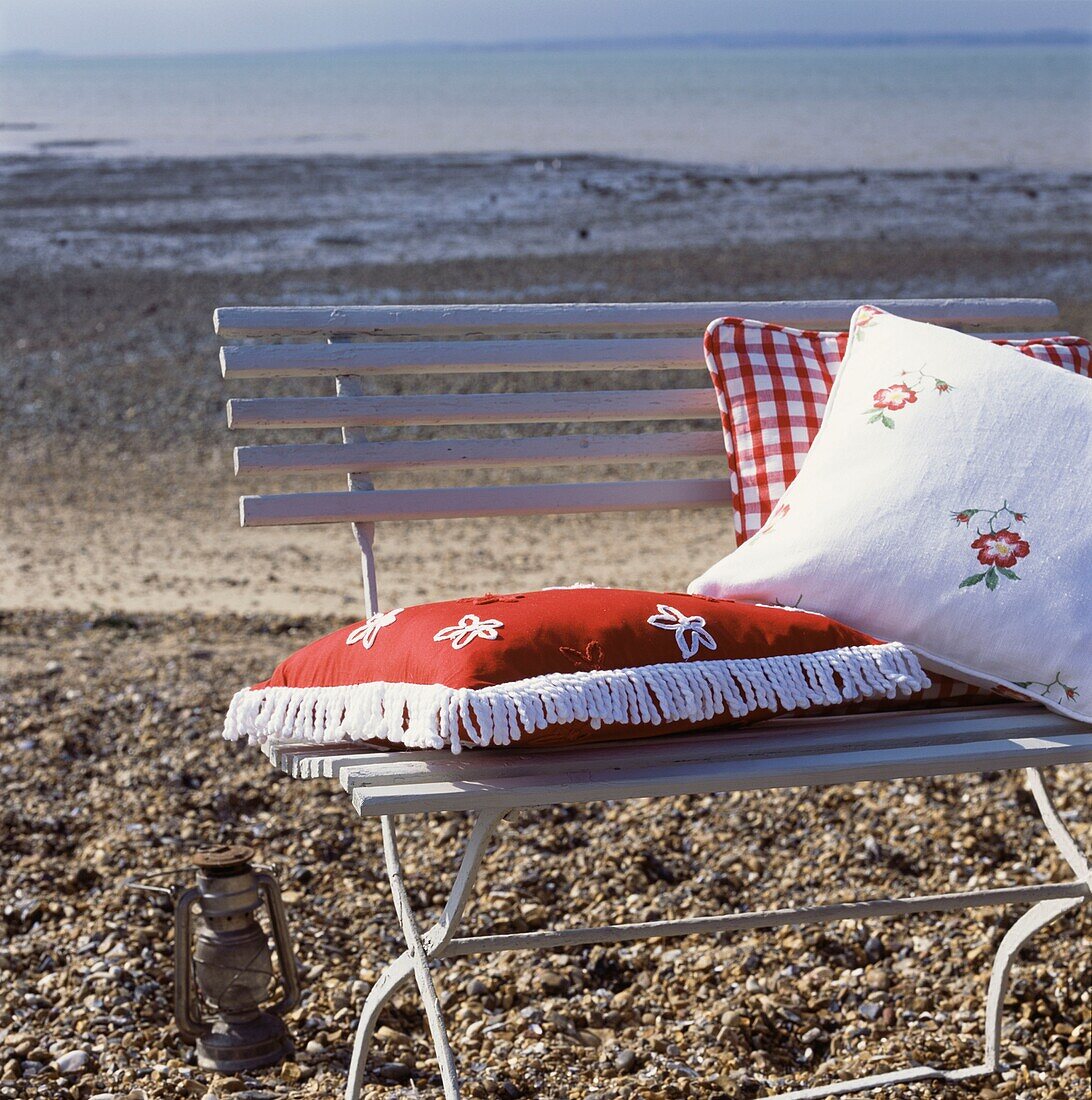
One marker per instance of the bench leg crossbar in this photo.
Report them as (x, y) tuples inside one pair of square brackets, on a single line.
[(1048, 903)]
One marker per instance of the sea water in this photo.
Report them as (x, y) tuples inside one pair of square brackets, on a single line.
[(760, 109)]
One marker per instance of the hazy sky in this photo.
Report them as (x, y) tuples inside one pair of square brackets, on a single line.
[(174, 26)]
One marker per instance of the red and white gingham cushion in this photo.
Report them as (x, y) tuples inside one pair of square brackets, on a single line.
[(772, 387)]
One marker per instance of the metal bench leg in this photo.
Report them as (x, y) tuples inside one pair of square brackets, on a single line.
[(1035, 919), (1062, 837), (1039, 916), (413, 962)]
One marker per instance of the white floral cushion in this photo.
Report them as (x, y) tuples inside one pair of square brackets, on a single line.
[(944, 502)]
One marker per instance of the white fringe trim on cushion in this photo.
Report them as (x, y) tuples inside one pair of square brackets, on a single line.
[(432, 716)]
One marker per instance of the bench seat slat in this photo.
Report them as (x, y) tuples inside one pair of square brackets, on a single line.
[(768, 741), (330, 759), (357, 765), (873, 727), (450, 454), (384, 505), (472, 408), (240, 322), (804, 769)]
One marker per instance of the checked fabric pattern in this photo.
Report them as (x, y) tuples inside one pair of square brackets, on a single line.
[(772, 386)]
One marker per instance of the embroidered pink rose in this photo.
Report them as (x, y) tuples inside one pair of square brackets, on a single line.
[(865, 316), (998, 546), (1001, 548), (894, 397), (780, 511)]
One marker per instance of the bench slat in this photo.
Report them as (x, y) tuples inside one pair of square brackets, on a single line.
[(776, 738), (459, 357), (237, 322), (491, 500), (806, 769), (329, 759), (769, 741), (287, 755), (475, 356), (449, 454), (472, 408)]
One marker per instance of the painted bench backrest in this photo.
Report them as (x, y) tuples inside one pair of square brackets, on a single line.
[(672, 421)]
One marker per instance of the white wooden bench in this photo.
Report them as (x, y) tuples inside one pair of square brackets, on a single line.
[(353, 344)]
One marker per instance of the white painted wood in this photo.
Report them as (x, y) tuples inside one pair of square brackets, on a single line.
[(915, 732), (1037, 334), (237, 322), (361, 764), (800, 752), (358, 480), (475, 356), (459, 357), (1070, 893), (450, 454), (385, 505), (802, 769), (473, 408)]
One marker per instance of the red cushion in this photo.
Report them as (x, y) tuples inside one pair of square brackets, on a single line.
[(565, 665)]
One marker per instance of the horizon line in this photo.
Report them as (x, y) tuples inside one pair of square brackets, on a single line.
[(1043, 37)]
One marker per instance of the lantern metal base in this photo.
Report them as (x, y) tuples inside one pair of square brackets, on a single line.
[(235, 1046)]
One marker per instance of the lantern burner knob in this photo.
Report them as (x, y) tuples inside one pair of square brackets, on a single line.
[(223, 860)]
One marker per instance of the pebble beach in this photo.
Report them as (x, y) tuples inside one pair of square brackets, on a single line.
[(132, 608)]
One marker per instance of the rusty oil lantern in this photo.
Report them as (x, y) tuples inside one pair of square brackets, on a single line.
[(222, 961)]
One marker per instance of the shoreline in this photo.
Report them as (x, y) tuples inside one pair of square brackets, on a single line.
[(254, 214), (114, 455)]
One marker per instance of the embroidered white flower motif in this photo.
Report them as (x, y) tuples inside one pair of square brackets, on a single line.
[(467, 629), (366, 633), (690, 630)]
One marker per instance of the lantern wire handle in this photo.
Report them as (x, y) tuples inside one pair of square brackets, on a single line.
[(174, 891), (188, 1020)]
